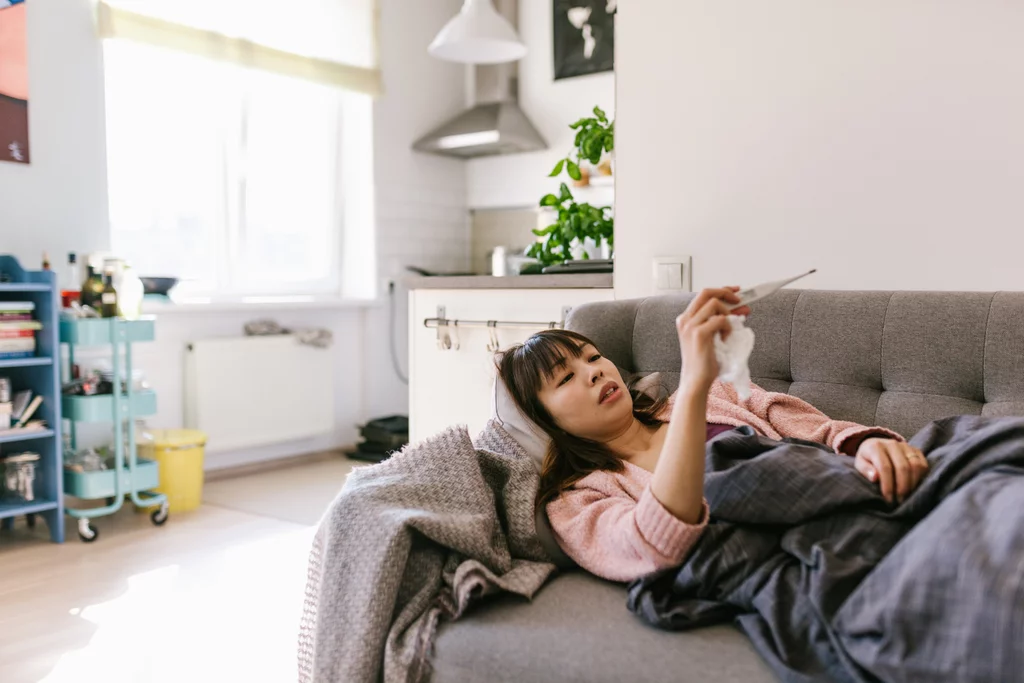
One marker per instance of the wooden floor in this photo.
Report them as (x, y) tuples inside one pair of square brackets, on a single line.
[(213, 595)]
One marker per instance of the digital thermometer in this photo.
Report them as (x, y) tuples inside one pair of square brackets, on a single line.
[(749, 296)]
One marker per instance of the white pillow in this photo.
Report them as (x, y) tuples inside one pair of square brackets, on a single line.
[(526, 433)]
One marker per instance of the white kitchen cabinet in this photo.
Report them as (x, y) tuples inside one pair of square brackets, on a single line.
[(448, 387)]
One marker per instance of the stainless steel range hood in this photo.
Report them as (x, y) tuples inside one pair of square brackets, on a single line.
[(495, 124)]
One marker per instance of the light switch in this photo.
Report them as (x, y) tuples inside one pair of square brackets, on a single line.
[(660, 276), (670, 276), (672, 273)]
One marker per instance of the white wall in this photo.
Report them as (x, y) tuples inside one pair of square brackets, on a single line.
[(880, 141), (421, 198), (521, 179), (59, 203)]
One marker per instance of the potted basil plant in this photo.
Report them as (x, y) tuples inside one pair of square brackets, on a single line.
[(577, 222)]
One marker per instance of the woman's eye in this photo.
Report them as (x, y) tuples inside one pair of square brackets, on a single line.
[(596, 356), (565, 379)]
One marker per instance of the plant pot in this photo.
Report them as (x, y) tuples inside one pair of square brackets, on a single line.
[(590, 249)]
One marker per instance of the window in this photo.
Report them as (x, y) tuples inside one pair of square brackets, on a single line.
[(240, 181)]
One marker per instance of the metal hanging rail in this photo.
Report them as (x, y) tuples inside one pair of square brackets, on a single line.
[(448, 329), (444, 322)]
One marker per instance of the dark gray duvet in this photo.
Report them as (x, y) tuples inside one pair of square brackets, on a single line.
[(831, 583)]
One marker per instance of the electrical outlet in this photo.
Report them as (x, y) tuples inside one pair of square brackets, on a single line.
[(672, 273)]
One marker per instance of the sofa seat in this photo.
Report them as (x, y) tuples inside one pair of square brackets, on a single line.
[(578, 630)]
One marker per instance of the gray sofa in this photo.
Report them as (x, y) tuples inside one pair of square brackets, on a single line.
[(896, 359)]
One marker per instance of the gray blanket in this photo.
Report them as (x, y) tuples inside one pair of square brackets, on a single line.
[(410, 541), (833, 584)]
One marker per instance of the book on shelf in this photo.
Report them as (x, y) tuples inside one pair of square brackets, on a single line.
[(16, 311), (18, 338), (20, 325), (18, 345), (16, 334), (21, 400), (17, 307), (29, 412)]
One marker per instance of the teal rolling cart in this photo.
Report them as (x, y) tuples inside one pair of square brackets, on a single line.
[(131, 476), (39, 373)]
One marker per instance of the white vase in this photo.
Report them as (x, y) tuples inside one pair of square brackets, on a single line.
[(129, 294), (577, 250)]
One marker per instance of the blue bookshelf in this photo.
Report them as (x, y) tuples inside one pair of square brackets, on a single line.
[(41, 375)]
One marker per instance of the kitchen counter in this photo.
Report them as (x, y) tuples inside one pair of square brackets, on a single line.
[(562, 281)]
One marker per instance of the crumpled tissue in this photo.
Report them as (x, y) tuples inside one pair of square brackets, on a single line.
[(733, 355)]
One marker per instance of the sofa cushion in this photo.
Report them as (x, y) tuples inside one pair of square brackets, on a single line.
[(578, 630)]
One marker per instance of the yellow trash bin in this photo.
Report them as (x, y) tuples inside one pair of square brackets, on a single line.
[(179, 453)]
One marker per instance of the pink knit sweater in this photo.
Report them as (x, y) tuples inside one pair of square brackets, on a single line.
[(612, 525)]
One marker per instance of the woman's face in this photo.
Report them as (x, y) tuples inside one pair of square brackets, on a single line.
[(587, 397)]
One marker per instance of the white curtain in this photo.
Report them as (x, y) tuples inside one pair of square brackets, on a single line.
[(331, 42)]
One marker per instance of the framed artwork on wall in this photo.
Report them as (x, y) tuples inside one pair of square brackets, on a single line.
[(13, 83), (583, 32)]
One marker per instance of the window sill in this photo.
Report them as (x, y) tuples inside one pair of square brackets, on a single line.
[(256, 304)]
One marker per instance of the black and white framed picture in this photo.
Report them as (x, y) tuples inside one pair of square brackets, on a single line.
[(584, 37)]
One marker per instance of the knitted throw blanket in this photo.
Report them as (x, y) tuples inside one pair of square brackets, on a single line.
[(413, 540)]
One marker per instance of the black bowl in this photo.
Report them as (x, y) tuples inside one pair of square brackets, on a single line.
[(158, 285)]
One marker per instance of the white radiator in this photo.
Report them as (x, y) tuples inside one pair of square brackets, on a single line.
[(252, 391)]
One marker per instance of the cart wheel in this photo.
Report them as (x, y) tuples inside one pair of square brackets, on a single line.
[(86, 532), (110, 501), (30, 519), (160, 515)]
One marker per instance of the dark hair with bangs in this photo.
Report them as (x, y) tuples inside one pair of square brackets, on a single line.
[(523, 368)]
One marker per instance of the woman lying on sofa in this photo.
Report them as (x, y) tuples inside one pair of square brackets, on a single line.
[(623, 479)]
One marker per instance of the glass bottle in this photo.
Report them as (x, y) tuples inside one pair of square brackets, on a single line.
[(108, 299), (92, 288), (71, 288)]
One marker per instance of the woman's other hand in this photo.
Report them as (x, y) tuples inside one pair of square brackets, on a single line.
[(705, 317), (896, 466)]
